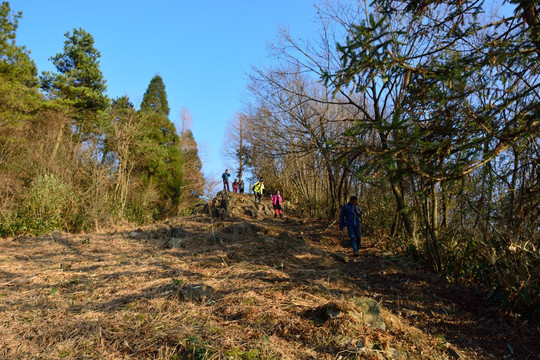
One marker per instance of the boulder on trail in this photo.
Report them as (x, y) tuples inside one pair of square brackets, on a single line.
[(361, 310), (370, 312), (175, 243), (251, 211), (137, 235), (177, 232), (176, 237), (242, 229), (196, 292)]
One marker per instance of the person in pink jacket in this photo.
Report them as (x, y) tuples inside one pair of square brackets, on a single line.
[(276, 201)]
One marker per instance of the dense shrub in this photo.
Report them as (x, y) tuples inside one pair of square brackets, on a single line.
[(47, 206)]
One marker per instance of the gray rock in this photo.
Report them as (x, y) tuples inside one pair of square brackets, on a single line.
[(370, 312), (175, 243), (332, 313), (215, 239), (176, 232), (226, 203), (196, 292), (136, 235), (241, 229), (221, 213), (56, 235), (268, 240), (341, 257), (251, 211)]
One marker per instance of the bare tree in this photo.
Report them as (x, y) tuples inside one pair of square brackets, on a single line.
[(235, 144)]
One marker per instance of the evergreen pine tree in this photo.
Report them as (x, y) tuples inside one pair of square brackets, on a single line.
[(18, 73), (155, 97), (79, 81), (162, 158)]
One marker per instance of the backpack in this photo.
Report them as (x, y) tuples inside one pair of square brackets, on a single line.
[(256, 187)]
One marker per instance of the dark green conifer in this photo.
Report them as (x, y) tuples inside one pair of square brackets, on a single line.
[(163, 160), (18, 73), (79, 81), (155, 97)]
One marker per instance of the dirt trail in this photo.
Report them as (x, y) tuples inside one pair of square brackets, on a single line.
[(251, 291)]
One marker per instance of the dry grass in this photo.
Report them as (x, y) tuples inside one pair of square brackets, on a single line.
[(112, 296)]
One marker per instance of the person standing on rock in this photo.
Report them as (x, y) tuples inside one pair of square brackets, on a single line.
[(241, 186), (276, 201), (225, 176), (258, 190), (235, 186), (351, 217)]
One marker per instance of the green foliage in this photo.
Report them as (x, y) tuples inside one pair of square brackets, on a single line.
[(110, 163), (19, 97), (79, 81), (196, 348), (237, 353), (155, 97), (193, 179), (46, 206), (158, 146), (516, 271), (458, 92), (143, 205)]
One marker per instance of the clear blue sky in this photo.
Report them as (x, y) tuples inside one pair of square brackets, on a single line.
[(202, 49)]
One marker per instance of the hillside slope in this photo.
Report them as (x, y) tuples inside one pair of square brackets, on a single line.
[(238, 288)]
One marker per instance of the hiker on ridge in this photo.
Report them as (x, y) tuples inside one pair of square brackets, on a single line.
[(225, 176), (350, 216), (276, 201), (258, 190), (241, 186), (235, 186)]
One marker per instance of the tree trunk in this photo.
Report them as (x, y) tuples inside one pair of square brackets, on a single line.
[(402, 208), (58, 141)]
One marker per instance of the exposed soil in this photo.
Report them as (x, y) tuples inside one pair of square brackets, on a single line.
[(125, 295)]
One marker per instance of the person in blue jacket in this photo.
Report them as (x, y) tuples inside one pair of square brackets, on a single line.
[(351, 217), (225, 176)]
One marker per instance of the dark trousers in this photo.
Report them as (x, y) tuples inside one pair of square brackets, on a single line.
[(226, 185), (356, 237)]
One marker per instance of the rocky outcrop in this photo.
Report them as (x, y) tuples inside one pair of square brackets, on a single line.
[(227, 204)]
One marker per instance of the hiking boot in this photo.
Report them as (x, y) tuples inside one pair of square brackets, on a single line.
[(355, 255), (275, 216)]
